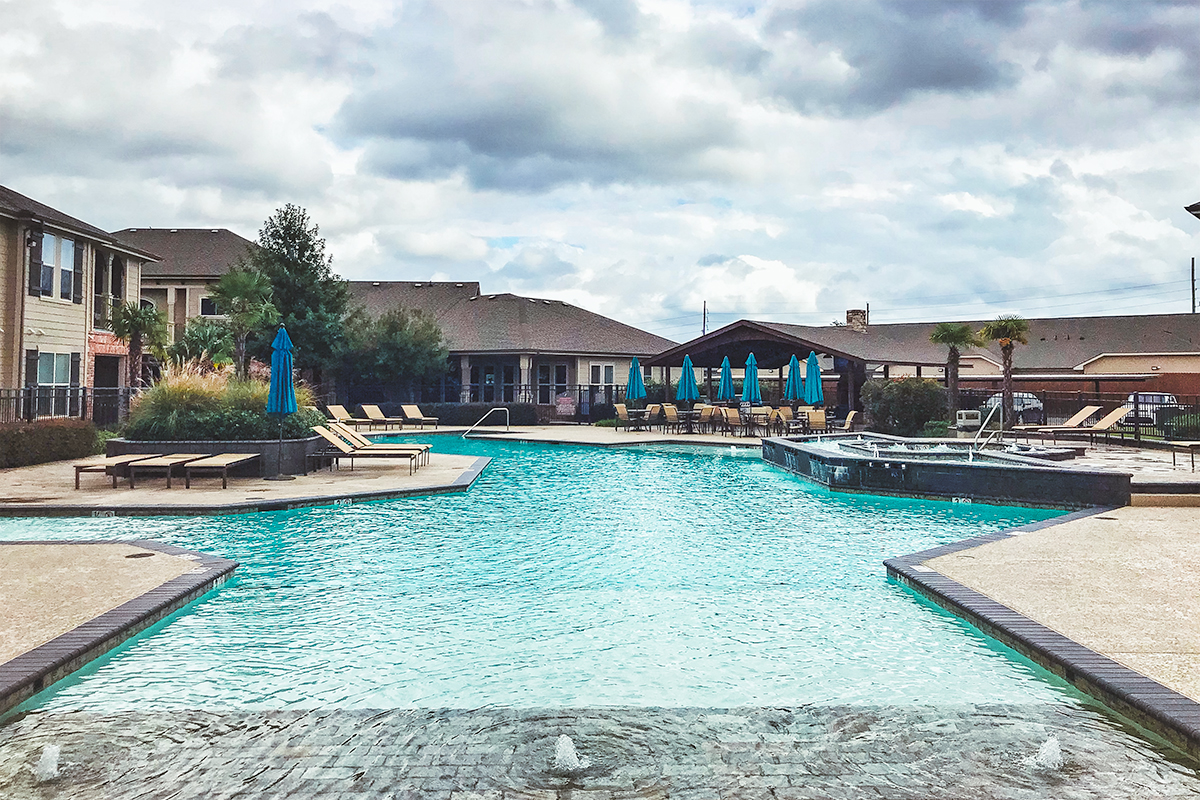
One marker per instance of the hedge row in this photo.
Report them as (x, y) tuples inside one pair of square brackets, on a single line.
[(26, 443), (466, 413), (1185, 427), (222, 424)]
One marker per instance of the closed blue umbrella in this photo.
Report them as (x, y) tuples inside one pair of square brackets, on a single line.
[(688, 390), (794, 390), (750, 392), (814, 395), (635, 388), (725, 389), (281, 400)]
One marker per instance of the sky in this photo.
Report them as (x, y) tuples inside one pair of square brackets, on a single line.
[(782, 161)]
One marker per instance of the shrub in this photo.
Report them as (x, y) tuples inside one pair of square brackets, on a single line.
[(902, 407), (605, 423), (23, 444), (189, 403), (1182, 426), (936, 428)]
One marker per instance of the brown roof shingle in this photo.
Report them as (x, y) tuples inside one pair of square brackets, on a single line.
[(15, 204), (506, 323), (188, 252)]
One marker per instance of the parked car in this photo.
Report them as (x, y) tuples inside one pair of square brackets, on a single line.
[(1026, 407), (1149, 408)]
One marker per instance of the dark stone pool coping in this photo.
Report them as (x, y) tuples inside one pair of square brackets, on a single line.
[(461, 483), (31, 672), (1158, 709)]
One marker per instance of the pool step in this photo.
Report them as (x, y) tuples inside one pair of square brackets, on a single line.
[(1164, 499)]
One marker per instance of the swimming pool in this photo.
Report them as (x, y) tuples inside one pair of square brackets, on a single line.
[(567, 576)]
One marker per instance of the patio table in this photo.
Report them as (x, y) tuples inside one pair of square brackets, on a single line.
[(689, 419), (637, 418)]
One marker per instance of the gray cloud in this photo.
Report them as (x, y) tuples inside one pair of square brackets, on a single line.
[(312, 44)]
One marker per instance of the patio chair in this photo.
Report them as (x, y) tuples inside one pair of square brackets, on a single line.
[(340, 448), (377, 417), (340, 414), (652, 413), (670, 418), (816, 421), (115, 466), (734, 423), (356, 439), (705, 420), (848, 424), (219, 463), (414, 414), (623, 420)]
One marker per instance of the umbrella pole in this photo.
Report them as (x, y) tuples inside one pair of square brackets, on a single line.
[(279, 476)]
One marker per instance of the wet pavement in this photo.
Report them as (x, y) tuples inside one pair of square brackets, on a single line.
[(500, 754)]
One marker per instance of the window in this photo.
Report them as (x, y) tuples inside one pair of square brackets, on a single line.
[(208, 307), (509, 376), (49, 262), (560, 379), (489, 384), (66, 262), (544, 384), (53, 382), (602, 387), (474, 385)]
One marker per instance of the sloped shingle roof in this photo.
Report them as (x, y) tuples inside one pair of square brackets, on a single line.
[(188, 252), (506, 323), (15, 204)]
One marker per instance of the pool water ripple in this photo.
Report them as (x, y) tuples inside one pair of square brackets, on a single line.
[(566, 577)]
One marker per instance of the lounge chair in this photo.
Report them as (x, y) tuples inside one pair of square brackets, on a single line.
[(356, 439), (113, 466), (413, 414), (377, 417), (1105, 426), (218, 463), (340, 414), (1071, 424), (340, 448), (167, 462)]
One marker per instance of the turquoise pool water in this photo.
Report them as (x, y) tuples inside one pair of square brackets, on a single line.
[(567, 576)]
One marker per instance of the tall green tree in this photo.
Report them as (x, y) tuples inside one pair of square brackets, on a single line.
[(139, 327), (956, 336), (243, 296), (397, 349), (1008, 330), (312, 301)]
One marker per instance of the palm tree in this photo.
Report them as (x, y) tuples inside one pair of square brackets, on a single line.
[(956, 336), (244, 297), (1008, 330), (140, 327)]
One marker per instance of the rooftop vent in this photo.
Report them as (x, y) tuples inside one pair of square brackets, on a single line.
[(459, 285), (857, 319), (547, 302), (416, 286), (174, 230), (375, 283)]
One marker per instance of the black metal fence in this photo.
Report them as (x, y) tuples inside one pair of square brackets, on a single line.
[(106, 408), (1152, 415)]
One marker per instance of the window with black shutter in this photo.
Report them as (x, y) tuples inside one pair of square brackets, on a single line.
[(34, 245), (31, 366), (75, 393)]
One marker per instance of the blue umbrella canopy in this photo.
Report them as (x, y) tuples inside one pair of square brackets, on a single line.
[(813, 393), (635, 388), (725, 389), (750, 392), (794, 390), (688, 390), (282, 397)]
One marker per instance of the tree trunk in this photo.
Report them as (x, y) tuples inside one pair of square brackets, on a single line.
[(952, 383), (239, 357), (135, 361), (1006, 351)]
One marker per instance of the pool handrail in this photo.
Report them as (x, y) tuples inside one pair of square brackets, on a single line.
[(983, 427), (507, 420)]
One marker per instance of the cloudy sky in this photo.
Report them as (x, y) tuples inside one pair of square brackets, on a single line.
[(780, 160)]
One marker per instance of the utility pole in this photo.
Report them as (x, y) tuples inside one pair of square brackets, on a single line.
[(1193, 284), (704, 315)]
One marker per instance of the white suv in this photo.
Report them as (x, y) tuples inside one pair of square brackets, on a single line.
[(1026, 407)]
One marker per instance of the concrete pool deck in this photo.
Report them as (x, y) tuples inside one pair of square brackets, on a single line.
[(48, 489)]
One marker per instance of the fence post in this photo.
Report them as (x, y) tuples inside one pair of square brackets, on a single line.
[(1137, 416)]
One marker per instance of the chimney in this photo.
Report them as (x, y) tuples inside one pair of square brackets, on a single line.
[(856, 319)]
